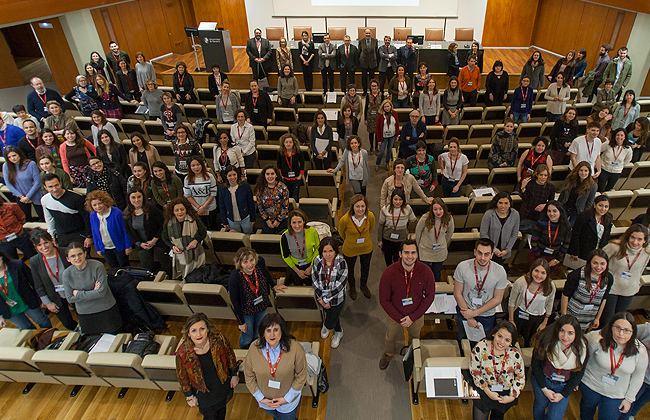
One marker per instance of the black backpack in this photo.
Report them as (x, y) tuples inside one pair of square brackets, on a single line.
[(201, 129)]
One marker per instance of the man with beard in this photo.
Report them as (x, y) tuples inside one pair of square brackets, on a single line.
[(601, 65)]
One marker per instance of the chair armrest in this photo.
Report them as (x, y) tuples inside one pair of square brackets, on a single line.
[(467, 350), (70, 339), (167, 344), (160, 276)]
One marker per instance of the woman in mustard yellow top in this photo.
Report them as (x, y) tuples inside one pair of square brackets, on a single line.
[(355, 227)]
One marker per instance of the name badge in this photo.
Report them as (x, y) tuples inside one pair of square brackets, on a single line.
[(373, 112), (610, 379), (614, 163), (291, 174), (58, 288), (361, 240), (181, 89), (548, 250), (557, 378), (407, 301), (529, 171), (394, 235), (11, 237), (274, 384), (256, 111), (524, 315), (589, 307), (496, 388), (45, 109), (258, 300), (11, 303), (302, 262), (326, 293), (469, 83), (420, 182), (477, 301), (626, 275), (436, 246), (523, 106)]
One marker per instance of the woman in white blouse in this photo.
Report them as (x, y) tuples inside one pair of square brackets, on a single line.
[(614, 156), (243, 135), (454, 169), (355, 160), (226, 153)]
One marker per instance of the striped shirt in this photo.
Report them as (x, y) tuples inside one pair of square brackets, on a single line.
[(581, 303)]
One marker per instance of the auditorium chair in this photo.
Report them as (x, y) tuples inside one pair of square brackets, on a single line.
[(268, 247), (313, 99), (418, 205), (403, 114), (583, 110), (558, 176), (252, 175), (540, 97), (298, 303), (435, 133), (211, 109), (155, 131), (166, 296), (205, 97), (362, 31), (494, 115), (297, 32), (285, 116), (538, 114), (274, 132), (477, 207), (260, 133), (469, 150), (130, 126), (641, 299), (320, 183), (476, 177), (464, 34), (482, 155), (461, 132), (617, 231), (193, 112), (306, 115), (434, 34), (638, 205), (85, 124), (644, 104), (546, 129), (226, 244), (582, 127), (337, 33), (274, 33), (267, 154), (128, 110), (161, 369), (461, 247), (337, 103), (523, 148), (619, 201), (435, 353), (639, 176), (573, 93), (320, 209), (527, 132), (471, 115), (401, 34), (459, 208), (211, 299)]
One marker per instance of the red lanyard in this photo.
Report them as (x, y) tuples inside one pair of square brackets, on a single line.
[(254, 98), (533, 162), (611, 360), (619, 153), (402, 85), (480, 285), (304, 246), (217, 80), (401, 187), (348, 126), (30, 142), (269, 189), (590, 151), (289, 159), (417, 162), (550, 242), (225, 104), (407, 278), (6, 288), (56, 263), (593, 292), (437, 234), (255, 288), (626, 110), (240, 133), (4, 136), (223, 157), (494, 363), (43, 98), (430, 95), (527, 304), (271, 366), (168, 112), (453, 164), (353, 105), (182, 154), (165, 188), (328, 274), (354, 165), (629, 266), (357, 228), (116, 57), (393, 217), (180, 81)]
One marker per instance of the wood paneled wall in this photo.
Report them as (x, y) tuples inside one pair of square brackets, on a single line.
[(10, 75), (57, 53), (27, 10), (21, 41), (509, 23), (153, 27), (229, 14), (563, 25)]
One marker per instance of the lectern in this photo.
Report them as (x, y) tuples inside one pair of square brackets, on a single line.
[(216, 45)]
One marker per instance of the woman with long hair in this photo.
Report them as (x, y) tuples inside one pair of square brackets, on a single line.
[(433, 235), (242, 134), (107, 226), (453, 62), (591, 229), (347, 124), (420, 82), (500, 224), (557, 94), (144, 223), (534, 70), (112, 153), (637, 135), (586, 290), (628, 257), (141, 179), (184, 233), (127, 80), (200, 189), (46, 164), (142, 151), (206, 367), (98, 63), (183, 84), (49, 145), (355, 160), (453, 168), (551, 235), (299, 258), (564, 131), (184, 148), (75, 152), (291, 164), (557, 366), (109, 96), (386, 130), (451, 102), (226, 153), (322, 138), (398, 88), (272, 200), (171, 116), (166, 185), (21, 176), (579, 191), (530, 304), (353, 99), (536, 191), (283, 55), (236, 204), (392, 228), (564, 66), (615, 369), (144, 71), (287, 88), (604, 119), (536, 155), (429, 102), (627, 111), (99, 123)]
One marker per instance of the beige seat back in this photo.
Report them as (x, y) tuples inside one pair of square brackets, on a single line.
[(211, 299)]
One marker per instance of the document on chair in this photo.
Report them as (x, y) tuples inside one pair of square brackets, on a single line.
[(331, 98), (104, 344), (331, 114), (321, 145), (443, 382), (474, 334)]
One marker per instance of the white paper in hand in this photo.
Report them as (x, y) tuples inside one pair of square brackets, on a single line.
[(474, 334), (321, 145)]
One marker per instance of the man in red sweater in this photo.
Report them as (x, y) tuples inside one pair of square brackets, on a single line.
[(470, 80), (406, 291)]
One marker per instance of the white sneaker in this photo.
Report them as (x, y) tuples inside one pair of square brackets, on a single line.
[(336, 339), (324, 332)]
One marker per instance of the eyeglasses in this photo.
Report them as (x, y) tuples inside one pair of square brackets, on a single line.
[(625, 331)]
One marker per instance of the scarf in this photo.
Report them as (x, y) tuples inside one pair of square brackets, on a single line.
[(566, 361), (180, 235), (101, 179)]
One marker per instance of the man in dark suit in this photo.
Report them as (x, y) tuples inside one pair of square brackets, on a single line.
[(259, 54), (410, 133), (387, 62), (38, 98), (347, 57), (407, 56), (47, 272), (327, 62), (367, 58)]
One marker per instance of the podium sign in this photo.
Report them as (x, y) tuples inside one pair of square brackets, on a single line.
[(216, 46)]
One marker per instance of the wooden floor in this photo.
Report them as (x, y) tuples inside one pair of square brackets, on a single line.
[(52, 402)]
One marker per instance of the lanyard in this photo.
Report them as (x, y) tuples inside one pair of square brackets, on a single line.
[(407, 278), (590, 151), (527, 304), (611, 360), (240, 133), (480, 285), (393, 217), (619, 152), (304, 246), (534, 161), (116, 57), (223, 157), (357, 228), (30, 142), (225, 104), (522, 93), (182, 154), (43, 98), (165, 188), (550, 241), (402, 86), (272, 367), (168, 112), (254, 98), (629, 266), (217, 80), (271, 190), (417, 162), (430, 95), (593, 292), (289, 159), (354, 165), (348, 126), (401, 187), (626, 110), (453, 164), (255, 288), (328, 274), (437, 234), (6, 288), (180, 80), (55, 275), (494, 363)]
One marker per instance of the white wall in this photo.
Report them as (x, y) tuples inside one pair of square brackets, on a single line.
[(82, 36), (639, 52), (471, 13)]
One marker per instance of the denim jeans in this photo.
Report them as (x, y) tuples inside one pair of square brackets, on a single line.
[(448, 187), (436, 267), (385, 146), (486, 321), (282, 416), (401, 103), (252, 325), (591, 400), (37, 315), (115, 259), (614, 304), (520, 116), (279, 229), (607, 180), (642, 398), (23, 243), (555, 410), (243, 226)]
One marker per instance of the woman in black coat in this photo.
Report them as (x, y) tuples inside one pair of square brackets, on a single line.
[(591, 230), (100, 177), (453, 62), (144, 223), (127, 81), (215, 80), (183, 84)]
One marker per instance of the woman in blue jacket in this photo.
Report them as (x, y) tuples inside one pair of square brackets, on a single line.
[(521, 104), (107, 226), (242, 216)]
